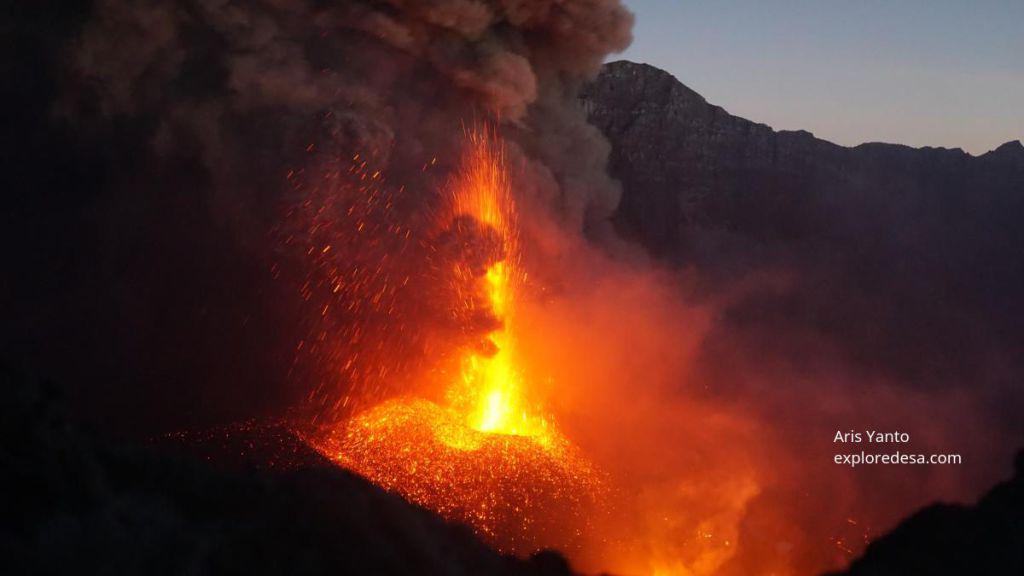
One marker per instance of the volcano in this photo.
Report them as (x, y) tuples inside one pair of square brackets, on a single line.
[(392, 287), (487, 456)]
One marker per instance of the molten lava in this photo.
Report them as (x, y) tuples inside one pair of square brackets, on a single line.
[(486, 454), (490, 392)]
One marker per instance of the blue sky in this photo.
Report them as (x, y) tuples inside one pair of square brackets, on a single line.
[(916, 72)]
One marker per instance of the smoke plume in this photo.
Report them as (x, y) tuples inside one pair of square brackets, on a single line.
[(176, 135)]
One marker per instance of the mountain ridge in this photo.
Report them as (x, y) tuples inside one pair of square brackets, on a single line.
[(625, 66), (901, 265)]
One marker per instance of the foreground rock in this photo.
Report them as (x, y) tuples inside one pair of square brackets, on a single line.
[(80, 505), (985, 539)]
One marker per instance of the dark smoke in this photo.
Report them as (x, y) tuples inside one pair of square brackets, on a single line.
[(151, 153)]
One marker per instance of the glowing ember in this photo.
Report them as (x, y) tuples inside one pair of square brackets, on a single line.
[(491, 390), (490, 456), (517, 493)]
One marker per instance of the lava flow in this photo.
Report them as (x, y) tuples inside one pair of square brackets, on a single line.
[(486, 453)]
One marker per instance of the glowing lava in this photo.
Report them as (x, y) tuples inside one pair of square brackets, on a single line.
[(515, 492), (488, 455), (491, 392)]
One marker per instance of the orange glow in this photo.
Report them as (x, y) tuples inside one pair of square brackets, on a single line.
[(508, 373), (514, 491), (491, 392), (490, 455)]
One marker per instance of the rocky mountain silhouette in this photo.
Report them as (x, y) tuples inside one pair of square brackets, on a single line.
[(905, 262), (908, 260)]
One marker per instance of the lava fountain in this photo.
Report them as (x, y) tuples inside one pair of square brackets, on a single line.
[(485, 452)]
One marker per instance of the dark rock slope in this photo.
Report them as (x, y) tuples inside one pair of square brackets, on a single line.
[(689, 164), (76, 504), (985, 539), (908, 260)]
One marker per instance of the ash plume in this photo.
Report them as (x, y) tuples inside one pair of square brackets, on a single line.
[(228, 80), (170, 131)]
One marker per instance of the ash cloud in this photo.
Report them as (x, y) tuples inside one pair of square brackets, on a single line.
[(152, 153), (228, 80)]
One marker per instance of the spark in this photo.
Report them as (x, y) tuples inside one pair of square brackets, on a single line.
[(488, 454)]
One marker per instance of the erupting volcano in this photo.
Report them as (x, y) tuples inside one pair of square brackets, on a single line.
[(486, 453), (275, 309)]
